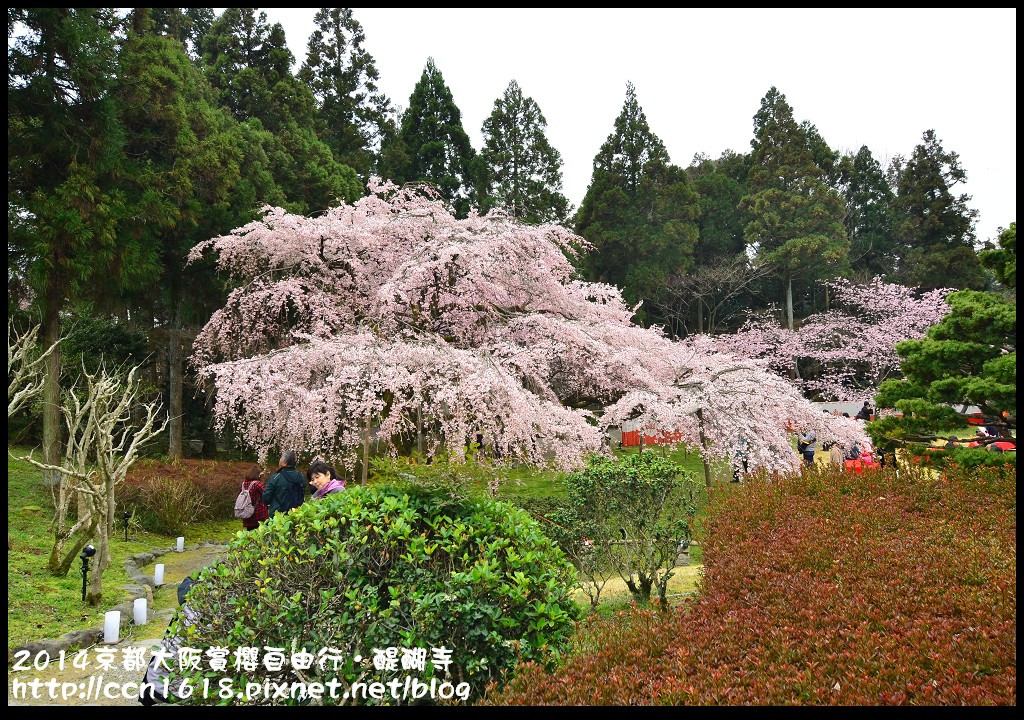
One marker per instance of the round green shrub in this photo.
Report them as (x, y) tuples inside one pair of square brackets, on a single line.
[(382, 567)]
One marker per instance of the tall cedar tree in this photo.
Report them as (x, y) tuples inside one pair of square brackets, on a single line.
[(936, 226), (523, 170), (827, 159), (720, 251), (437, 146), (248, 62), (869, 215), (796, 218), (182, 182), (639, 212), (352, 112), (66, 145), (186, 25), (240, 62), (721, 184)]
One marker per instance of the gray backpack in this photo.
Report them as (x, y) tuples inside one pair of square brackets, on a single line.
[(243, 504)]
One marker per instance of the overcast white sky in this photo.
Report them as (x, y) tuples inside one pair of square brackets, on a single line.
[(864, 77)]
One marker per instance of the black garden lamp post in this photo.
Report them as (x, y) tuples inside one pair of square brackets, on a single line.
[(127, 517), (87, 553)]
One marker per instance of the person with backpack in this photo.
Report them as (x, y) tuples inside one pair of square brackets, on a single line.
[(286, 488), (249, 505)]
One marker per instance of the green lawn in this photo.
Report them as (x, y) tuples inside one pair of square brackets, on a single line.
[(42, 606)]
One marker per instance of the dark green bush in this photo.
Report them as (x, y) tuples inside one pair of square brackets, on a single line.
[(95, 341), (387, 566)]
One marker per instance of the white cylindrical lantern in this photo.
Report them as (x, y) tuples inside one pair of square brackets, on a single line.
[(111, 626), (158, 574), (139, 608), (181, 544)]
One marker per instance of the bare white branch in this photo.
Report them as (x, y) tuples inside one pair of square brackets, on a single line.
[(24, 368)]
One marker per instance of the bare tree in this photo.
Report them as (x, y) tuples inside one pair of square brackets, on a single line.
[(705, 292), (104, 440), (24, 372)]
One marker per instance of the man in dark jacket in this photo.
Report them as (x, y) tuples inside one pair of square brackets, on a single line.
[(866, 412), (286, 488)]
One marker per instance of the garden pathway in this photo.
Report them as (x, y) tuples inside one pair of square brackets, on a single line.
[(177, 566)]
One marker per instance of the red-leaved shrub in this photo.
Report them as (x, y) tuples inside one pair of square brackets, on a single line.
[(167, 496), (828, 588)]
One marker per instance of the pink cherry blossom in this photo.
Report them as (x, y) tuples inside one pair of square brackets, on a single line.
[(392, 309), (852, 346)]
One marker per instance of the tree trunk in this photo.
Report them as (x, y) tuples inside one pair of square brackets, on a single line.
[(104, 531), (419, 430), (645, 589), (700, 316), (83, 501), (704, 447), (174, 362), (60, 561), (108, 519), (51, 388), (789, 303), (151, 334), (366, 450), (789, 320), (59, 566), (95, 593)]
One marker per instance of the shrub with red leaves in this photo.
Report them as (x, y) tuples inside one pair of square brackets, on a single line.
[(167, 496), (828, 588)]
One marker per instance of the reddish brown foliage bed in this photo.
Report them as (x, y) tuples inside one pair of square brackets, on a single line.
[(829, 588), (194, 489)]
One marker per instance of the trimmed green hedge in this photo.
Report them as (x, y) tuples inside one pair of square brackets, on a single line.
[(387, 566)]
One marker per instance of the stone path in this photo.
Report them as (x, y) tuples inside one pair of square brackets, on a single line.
[(78, 686)]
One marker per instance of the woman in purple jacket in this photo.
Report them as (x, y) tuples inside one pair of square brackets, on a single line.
[(323, 477)]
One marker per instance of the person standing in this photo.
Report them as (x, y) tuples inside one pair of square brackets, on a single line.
[(286, 488), (254, 487), (326, 481), (835, 454), (807, 443), (740, 459)]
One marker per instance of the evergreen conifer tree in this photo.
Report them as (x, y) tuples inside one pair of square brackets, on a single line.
[(436, 144), (935, 225), (249, 64), (342, 75), (796, 220), (66, 146), (524, 172), (869, 215), (639, 212)]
